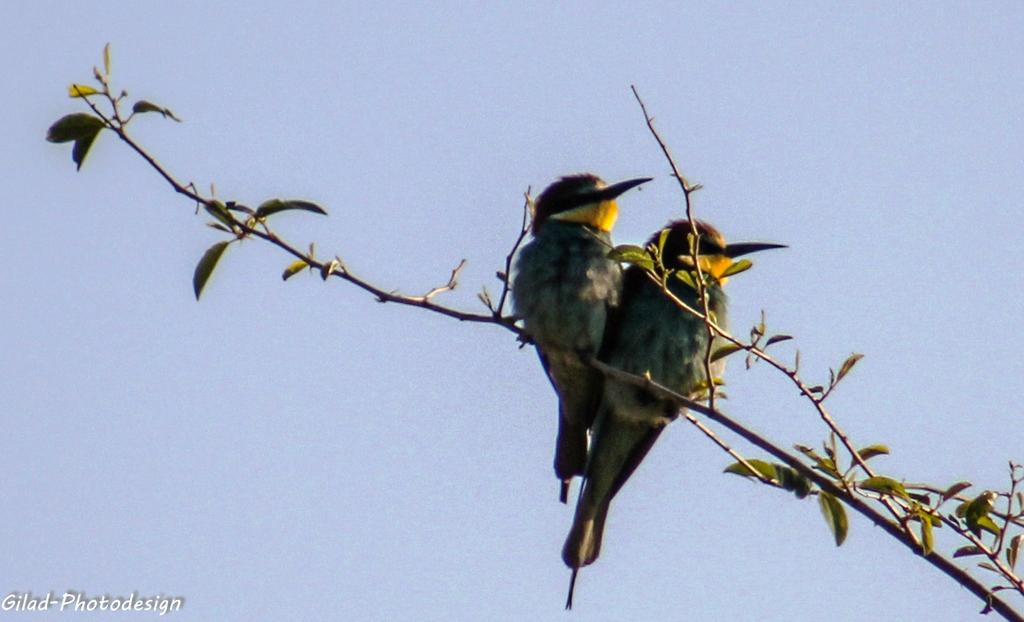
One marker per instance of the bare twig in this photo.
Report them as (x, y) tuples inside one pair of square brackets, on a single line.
[(702, 293), (452, 283), (506, 276), (1016, 477)]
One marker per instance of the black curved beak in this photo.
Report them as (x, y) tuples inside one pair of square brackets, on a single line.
[(614, 190), (745, 248)]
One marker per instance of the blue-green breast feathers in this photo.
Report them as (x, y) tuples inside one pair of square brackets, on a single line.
[(563, 286), (651, 334)]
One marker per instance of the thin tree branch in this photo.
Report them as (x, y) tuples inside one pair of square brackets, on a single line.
[(423, 302), (452, 283), (506, 276), (893, 529), (702, 293)]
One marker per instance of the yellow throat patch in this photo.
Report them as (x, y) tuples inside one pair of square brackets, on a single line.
[(600, 215), (713, 265)]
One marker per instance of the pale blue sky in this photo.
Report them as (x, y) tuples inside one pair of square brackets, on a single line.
[(298, 451)]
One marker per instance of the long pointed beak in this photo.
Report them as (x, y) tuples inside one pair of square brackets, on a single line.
[(745, 248), (614, 190)]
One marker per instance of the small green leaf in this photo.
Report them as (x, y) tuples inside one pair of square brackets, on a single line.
[(777, 339), (206, 265), (1013, 549), (829, 446), (766, 469), (975, 513), (869, 452), (982, 504), (989, 567), (294, 268), (73, 127), (792, 481), (828, 466), (848, 365), (274, 206), (985, 523), (736, 267), (927, 538), (954, 490), (724, 350), (920, 497), (81, 90), (662, 238), (825, 465), (81, 149), (306, 206), (922, 512), (966, 551), (884, 485), (808, 451), (219, 211), (630, 254), (691, 242), (835, 516), (143, 106), (687, 278), (627, 252)]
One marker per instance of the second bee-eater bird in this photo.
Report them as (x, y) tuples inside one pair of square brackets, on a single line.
[(648, 334), (563, 289)]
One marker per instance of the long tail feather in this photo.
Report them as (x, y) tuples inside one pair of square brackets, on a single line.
[(572, 588)]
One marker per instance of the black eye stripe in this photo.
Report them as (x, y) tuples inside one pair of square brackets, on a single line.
[(572, 202), (709, 247)]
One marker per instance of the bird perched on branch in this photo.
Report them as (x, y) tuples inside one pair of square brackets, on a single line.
[(563, 288), (650, 334)]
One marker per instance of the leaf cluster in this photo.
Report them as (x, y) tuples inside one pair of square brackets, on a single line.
[(82, 128)]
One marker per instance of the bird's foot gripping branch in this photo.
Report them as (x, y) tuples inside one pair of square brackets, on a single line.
[(985, 526)]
